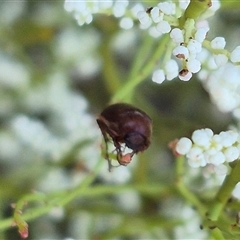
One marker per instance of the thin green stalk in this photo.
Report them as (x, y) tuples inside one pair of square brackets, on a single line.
[(191, 198), (141, 56), (184, 191), (224, 192), (61, 198), (83, 187), (194, 10), (52, 200), (130, 85), (207, 45), (110, 69), (217, 234)]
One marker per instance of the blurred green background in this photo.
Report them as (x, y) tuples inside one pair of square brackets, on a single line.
[(55, 78)]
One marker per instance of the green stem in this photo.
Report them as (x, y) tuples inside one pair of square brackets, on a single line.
[(130, 85), (62, 198), (142, 53), (224, 192), (217, 234), (191, 198), (194, 10), (83, 187), (110, 70), (207, 45), (181, 187), (52, 200)]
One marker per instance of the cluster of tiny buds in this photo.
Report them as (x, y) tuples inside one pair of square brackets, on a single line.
[(206, 148), (186, 51), (84, 10), (187, 42), (186, 47)]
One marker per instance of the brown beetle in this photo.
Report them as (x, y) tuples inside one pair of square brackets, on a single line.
[(124, 123)]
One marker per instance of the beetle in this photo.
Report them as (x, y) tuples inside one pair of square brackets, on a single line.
[(125, 124)]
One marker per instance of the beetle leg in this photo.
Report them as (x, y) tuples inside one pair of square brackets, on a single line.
[(118, 150), (106, 140)]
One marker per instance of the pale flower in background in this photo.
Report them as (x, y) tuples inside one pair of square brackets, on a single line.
[(223, 86)]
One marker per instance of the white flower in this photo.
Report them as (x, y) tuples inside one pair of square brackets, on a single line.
[(83, 10), (202, 137), (168, 8), (220, 59), (223, 86), (196, 157), (228, 138), (183, 146), (163, 27), (235, 55), (120, 7), (154, 32), (215, 159), (177, 35), (185, 75), (156, 15), (193, 65), (143, 17), (194, 46), (218, 43), (216, 143), (85, 17), (183, 4), (136, 8), (126, 23), (231, 153), (181, 52), (201, 34), (171, 69), (210, 149), (206, 148), (158, 76), (210, 152), (220, 169)]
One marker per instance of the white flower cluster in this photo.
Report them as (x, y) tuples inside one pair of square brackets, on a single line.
[(205, 148), (84, 10), (68, 112), (223, 86), (188, 49), (235, 55), (185, 50), (186, 42), (220, 58), (169, 72), (221, 55), (157, 19), (217, 56)]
